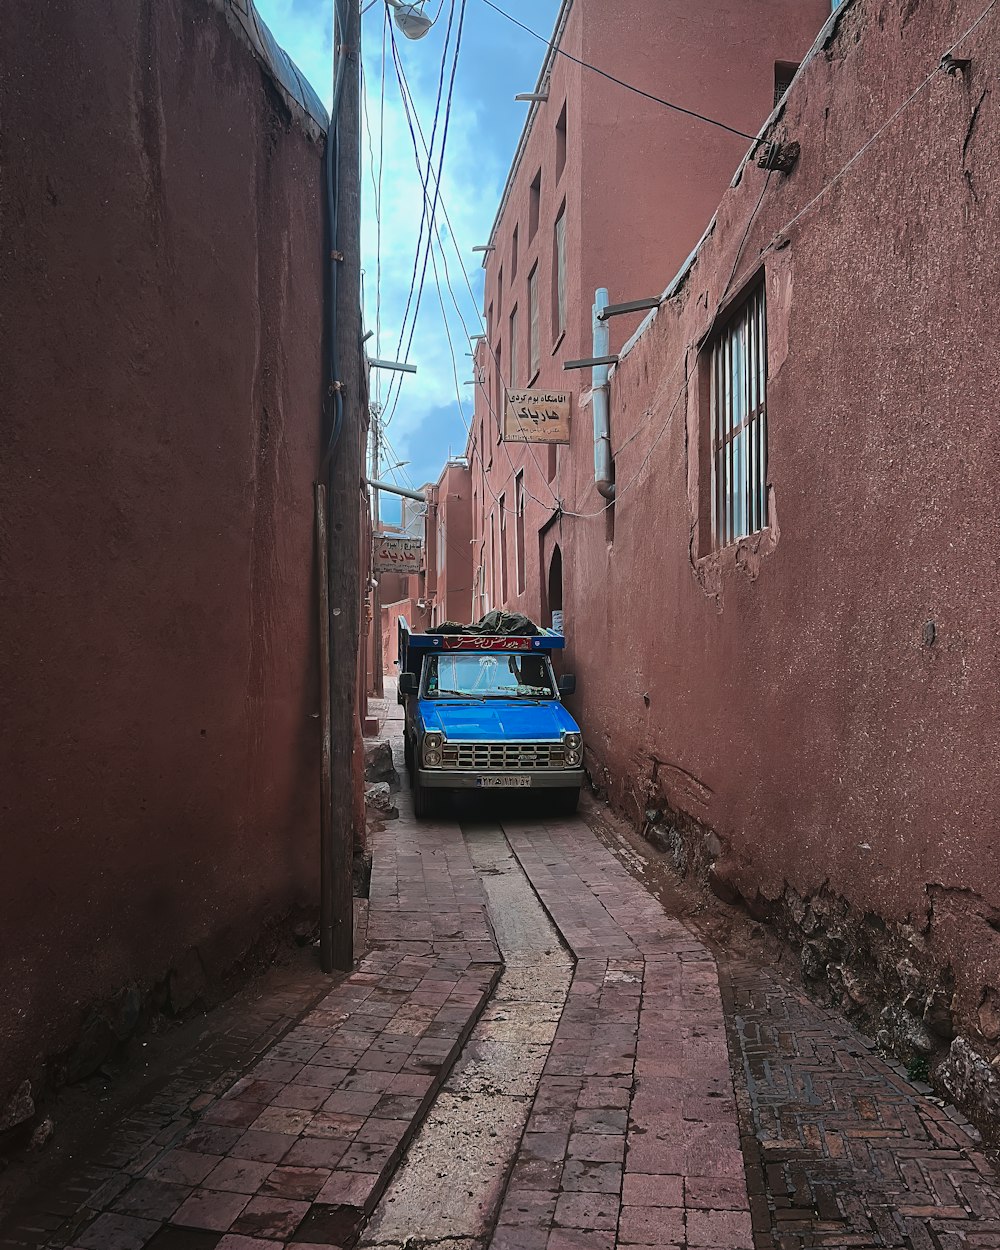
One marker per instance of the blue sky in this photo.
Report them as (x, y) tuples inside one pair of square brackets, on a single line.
[(497, 60)]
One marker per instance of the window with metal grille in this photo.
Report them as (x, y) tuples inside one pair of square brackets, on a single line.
[(514, 329), (784, 72), (739, 423)]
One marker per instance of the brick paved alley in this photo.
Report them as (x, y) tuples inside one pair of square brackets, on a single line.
[(629, 1130)]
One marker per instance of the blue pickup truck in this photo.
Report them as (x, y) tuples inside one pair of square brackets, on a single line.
[(484, 712)]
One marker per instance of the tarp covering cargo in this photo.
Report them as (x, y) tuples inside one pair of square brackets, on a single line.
[(498, 623)]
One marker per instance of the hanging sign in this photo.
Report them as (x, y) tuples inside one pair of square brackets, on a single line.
[(537, 417), (397, 555)]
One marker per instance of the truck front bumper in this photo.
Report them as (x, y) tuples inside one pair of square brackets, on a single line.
[(469, 779)]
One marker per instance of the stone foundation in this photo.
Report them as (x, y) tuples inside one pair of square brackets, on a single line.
[(885, 977)]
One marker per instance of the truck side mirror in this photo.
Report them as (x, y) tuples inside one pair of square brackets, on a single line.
[(407, 683), (567, 684)]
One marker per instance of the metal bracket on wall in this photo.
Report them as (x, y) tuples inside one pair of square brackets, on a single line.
[(955, 65), (592, 362), (782, 157), (630, 306)]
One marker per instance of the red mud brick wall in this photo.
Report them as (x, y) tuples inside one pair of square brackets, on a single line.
[(786, 693), (160, 330)]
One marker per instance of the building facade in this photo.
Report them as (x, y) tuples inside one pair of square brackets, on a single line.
[(607, 189), (782, 618), (442, 591)]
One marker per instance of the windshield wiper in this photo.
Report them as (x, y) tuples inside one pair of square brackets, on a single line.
[(457, 694)]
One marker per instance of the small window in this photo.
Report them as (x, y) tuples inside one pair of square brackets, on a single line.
[(499, 293), (499, 398), (559, 274), (533, 322), (513, 255), (784, 72), (738, 367), (534, 205), (513, 375), (504, 587), (519, 530), (561, 143)]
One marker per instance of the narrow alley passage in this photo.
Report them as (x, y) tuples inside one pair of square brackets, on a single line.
[(451, 1182), (531, 1055)]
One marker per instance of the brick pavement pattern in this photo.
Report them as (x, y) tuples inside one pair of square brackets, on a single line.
[(842, 1150), (286, 1128), (632, 1140), (297, 1147)]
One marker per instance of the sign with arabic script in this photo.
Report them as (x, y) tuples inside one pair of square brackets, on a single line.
[(537, 417), (397, 555)]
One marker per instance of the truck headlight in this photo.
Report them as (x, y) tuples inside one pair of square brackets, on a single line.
[(574, 749), (433, 742)]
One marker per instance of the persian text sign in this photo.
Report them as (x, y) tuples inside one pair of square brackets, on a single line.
[(537, 417), (397, 555), (484, 642)]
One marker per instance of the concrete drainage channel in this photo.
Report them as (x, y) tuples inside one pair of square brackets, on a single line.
[(448, 1188)]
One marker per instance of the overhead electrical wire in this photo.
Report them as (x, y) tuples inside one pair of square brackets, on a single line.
[(646, 95), (375, 173), (415, 127), (841, 172), (848, 165), (428, 208)]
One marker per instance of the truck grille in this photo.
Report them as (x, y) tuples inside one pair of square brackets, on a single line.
[(503, 757)]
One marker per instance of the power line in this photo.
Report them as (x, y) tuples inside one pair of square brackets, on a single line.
[(844, 169), (429, 210), (375, 172), (397, 380), (412, 117), (677, 108)]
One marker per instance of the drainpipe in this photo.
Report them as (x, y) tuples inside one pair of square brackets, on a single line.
[(604, 468)]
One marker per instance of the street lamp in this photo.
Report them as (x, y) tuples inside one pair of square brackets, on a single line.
[(411, 18)]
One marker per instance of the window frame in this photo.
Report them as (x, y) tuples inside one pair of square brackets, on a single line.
[(534, 205), (504, 566), (561, 128), (737, 409), (520, 577), (559, 274), (534, 325)]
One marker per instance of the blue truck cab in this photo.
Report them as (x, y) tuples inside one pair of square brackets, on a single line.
[(485, 712)]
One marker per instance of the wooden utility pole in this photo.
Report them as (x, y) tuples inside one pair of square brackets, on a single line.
[(345, 493)]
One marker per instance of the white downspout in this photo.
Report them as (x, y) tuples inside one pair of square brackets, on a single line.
[(604, 469)]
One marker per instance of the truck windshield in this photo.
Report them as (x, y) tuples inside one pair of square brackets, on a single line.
[(488, 677)]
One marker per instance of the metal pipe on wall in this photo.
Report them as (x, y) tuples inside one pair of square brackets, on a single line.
[(604, 468)]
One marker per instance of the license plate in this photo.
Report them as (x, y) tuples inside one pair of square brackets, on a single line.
[(505, 783)]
